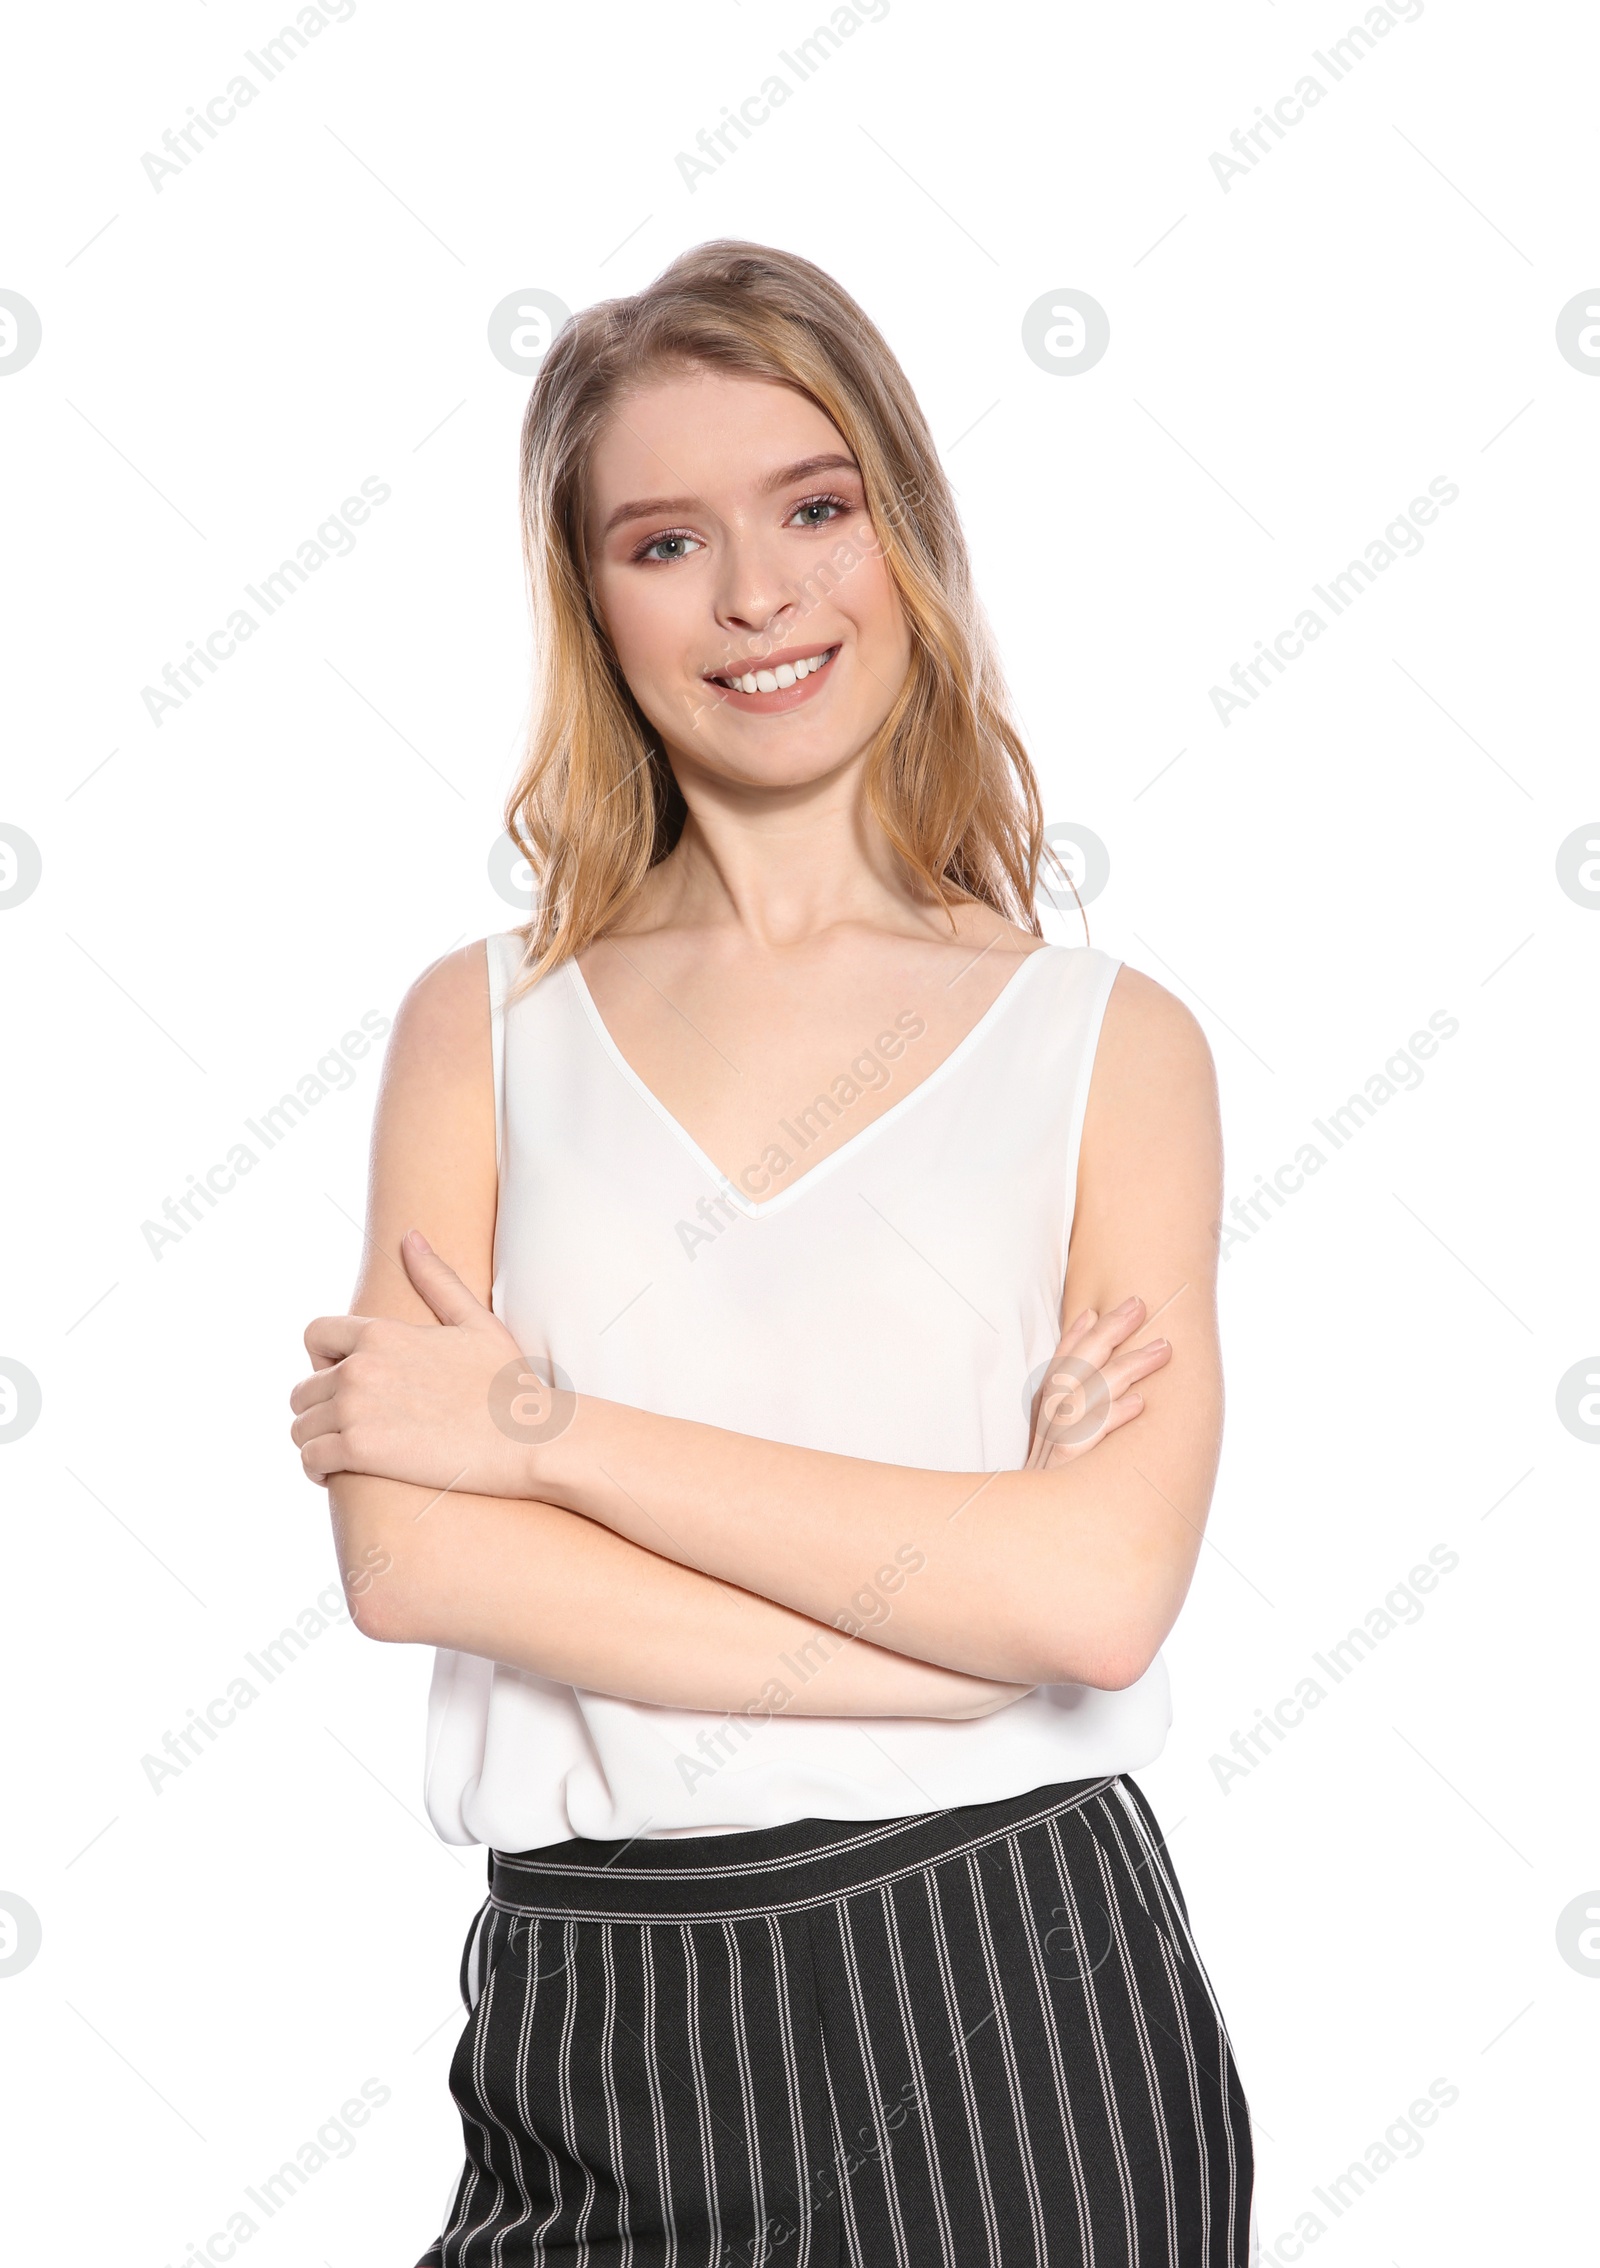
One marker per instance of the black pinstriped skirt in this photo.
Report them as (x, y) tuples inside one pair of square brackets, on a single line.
[(978, 2038)]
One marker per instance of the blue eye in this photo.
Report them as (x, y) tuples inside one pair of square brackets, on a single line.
[(652, 548), (832, 505)]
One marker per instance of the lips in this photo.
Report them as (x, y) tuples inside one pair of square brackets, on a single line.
[(779, 681)]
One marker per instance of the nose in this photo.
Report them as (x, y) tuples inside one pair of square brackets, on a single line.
[(755, 601)]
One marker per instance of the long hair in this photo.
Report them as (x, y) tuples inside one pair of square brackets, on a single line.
[(596, 806)]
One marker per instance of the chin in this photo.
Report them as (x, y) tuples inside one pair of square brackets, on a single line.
[(778, 767)]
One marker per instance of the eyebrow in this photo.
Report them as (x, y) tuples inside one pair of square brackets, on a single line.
[(652, 507)]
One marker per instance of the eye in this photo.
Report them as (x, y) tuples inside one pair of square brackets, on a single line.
[(832, 505), (651, 550)]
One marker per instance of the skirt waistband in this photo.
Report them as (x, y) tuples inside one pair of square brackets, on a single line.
[(763, 1870)]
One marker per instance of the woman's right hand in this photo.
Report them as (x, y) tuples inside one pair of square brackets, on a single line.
[(1090, 1385)]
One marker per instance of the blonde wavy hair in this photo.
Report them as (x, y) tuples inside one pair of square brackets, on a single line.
[(596, 805)]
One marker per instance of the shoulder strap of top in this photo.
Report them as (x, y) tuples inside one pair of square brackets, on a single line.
[(503, 953), (1094, 973)]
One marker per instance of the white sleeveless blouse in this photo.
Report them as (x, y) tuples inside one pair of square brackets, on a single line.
[(895, 1301)]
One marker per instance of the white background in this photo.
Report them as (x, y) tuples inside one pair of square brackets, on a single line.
[(1292, 359)]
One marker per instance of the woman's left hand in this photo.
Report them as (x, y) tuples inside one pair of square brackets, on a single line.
[(1090, 1385), (446, 1405)]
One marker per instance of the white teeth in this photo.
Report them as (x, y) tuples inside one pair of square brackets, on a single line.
[(781, 678)]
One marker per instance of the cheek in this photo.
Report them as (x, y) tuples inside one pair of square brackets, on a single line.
[(628, 622), (871, 599), (646, 625)]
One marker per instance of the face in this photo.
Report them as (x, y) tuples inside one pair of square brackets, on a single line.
[(740, 580)]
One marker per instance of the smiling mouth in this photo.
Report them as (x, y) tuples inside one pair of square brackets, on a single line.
[(777, 677)]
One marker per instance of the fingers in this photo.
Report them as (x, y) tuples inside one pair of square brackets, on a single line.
[(1078, 1393), (321, 1386), (1130, 1364), (1099, 1334), (438, 1282), (1094, 1339), (1121, 1412), (318, 1423), (1092, 1373), (329, 1338), (322, 1456)]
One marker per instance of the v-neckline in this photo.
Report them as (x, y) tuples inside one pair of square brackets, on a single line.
[(758, 1210)]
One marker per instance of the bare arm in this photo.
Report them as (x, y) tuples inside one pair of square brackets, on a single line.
[(1036, 1576), (1062, 1572), (526, 1581)]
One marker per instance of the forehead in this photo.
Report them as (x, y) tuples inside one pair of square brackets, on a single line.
[(709, 432)]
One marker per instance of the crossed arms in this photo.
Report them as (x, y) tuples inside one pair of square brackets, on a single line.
[(672, 1562)]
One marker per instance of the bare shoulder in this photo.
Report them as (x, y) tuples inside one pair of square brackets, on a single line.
[(433, 1138), (1150, 1163), (1152, 1049), (977, 924), (442, 1026)]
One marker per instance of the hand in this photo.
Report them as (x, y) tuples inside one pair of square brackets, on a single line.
[(446, 1405), (1088, 1389)]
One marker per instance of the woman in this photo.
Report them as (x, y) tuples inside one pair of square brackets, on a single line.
[(797, 1633)]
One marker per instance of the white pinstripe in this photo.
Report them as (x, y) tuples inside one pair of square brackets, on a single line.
[(791, 2072), (1171, 1955), (479, 2045), (1091, 2001), (544, 2090), (1165, 1909), (524, 2106), (963, 2065), (869, 2066), (1069, 2128), (762, 1907), (568, 2118), (608, 2037), (663, 2159), (1009, 2056), (469, 2186), (897, 1967), (741, 2046), (1152, 2077), (514, 1862), (697, 2063), (509, 2228), (1160, 1874), (847, 2202)]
